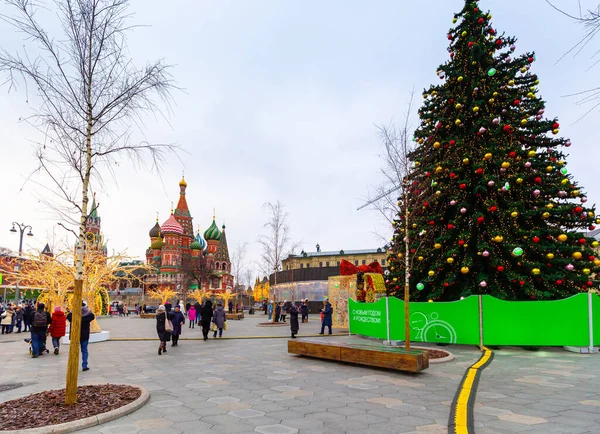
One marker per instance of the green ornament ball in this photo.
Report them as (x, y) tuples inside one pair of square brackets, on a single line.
[(517, 251), (564, 171), (491, 72), (420, 286)]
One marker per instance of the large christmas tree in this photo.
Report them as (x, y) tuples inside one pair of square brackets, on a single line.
[(493, 209)]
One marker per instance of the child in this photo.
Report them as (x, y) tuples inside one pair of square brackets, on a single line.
[(58, 328)]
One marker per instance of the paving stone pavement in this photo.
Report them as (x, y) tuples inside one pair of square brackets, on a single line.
[(253, 385)]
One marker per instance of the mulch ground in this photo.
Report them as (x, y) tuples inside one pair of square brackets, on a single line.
[(436, 354), (273, 324), (49, 408)]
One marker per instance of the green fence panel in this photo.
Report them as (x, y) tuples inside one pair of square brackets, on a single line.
[(596, 318), (536, 323), (368, 319), (455, 322)]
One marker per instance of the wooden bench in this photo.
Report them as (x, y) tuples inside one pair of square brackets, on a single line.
[(369, 355), (147, 315), (235, 316)]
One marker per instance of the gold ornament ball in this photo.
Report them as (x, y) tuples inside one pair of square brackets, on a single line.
[(555, 131), (505, 164), (511, 83), (491, 100), (523, 121), (561, 162), (546, 215), (420, 258), (498, 239), (576, 255), (488, 156), (437, 246), (465, 161), (596, 262), (531, 153), (550, 206), (562, 237), (519, 180), (575, 193), (438, 192), (475, 109), (564, 181), (450, 260), (460, 78), (495, 94), (414, 225), (514, 214), (594, 243), (395, 279), (436, 145), (464, 33), (464, 270), (586, 271), (535, 271), (431, 273), (400, 255), (550, 256), (458, 106), (454, 20), (457, 122)]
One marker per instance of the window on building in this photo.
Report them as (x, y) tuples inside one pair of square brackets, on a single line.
[(338, 262), (320, 264), (224, 266), (327, 263), (383, 262), (375, 260), (307, 265), (364, 262), (356, 263), (301, 265)]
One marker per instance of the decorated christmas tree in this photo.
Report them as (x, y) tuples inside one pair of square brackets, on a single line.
[(492, 206)]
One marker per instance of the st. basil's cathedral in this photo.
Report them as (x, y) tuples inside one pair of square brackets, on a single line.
[(183, 261)]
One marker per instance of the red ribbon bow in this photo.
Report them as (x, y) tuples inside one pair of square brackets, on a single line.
[(348, 268)]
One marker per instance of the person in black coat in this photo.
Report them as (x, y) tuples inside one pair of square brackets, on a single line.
[(161, 318), (178, 321), (294, 326), (168, 306), (304, 310), (207, 314), (87, 316)]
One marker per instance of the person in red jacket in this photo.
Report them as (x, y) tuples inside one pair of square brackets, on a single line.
[(58, 327)]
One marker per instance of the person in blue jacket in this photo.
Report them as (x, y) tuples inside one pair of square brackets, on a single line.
[(326, 311)]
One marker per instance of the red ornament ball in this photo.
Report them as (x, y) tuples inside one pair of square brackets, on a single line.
[(555, 125), (432, 222), (446, 284), (480, 220), (500, 268), (536, 239), (452, 142), (512, 154), (590, 283), (463, 186), (493, 208), (470, 44), (492, 31), (581, 240), (449, 37), (480, 20), (479, 171), (517, 102), (530, 60), (498, 42), (559, 282), (507, 128), (453, 175), (578, 209), (538, 180), (450, 226), (461, 242), (475, 9), (522, 282)]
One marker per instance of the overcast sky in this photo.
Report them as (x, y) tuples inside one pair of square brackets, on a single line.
[(280, 102)]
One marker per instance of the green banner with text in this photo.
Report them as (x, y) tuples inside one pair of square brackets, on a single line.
[(521, 323)]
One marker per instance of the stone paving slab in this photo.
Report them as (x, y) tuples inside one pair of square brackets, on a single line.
[(250, 386)]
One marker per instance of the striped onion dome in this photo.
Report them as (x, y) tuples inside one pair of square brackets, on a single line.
[(212, 233), (171, 226), (198, 243), (157, 245)]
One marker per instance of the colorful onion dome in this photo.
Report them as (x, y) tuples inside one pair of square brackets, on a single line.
[(157, 245), (171, 226), (155, 231), (196, 245), (212, 233), (182, 183)]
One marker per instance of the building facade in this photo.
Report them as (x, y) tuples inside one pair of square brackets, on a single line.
[(306, 275), (184, 261)]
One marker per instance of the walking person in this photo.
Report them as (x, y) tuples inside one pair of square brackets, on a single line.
[(284, 310), (164, 327), (219, 318), (19, 315), (58, 328), (304, 310), (198, 308), (178, 321), (230, 306), (87, 316), (191, 313), (125, 310), (39, 320), (7, 319), (27, 316), (326, 321), (207, 314), (294, 326), (270, 310), (278, 312)]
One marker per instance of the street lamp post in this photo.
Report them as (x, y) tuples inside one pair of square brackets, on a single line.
[(22, 228)]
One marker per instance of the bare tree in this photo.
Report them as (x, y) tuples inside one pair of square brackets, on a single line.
[(276, 243), (590, 20), (238, 263), (90, 94), (398, 184)]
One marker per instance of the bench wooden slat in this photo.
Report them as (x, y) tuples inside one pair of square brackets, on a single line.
[(369, 355)]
